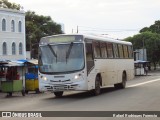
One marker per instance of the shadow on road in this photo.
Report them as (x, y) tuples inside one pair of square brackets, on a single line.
[(82, 95)]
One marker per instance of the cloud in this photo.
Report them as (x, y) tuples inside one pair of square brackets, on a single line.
[(105, 14)]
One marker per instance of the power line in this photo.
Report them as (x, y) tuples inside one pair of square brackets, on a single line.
[(107, 30), (104, 30)]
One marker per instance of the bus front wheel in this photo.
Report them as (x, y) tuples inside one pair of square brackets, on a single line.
[(58, 94), (97, 89)]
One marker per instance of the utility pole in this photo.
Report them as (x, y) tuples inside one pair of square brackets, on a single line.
[(143, 49), (30, 45)]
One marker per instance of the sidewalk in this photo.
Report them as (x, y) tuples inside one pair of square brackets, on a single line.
[(152, 73)]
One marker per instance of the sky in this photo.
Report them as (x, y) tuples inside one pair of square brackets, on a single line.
[(112, 18)]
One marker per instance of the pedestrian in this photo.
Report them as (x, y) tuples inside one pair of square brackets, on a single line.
[(146, 69)]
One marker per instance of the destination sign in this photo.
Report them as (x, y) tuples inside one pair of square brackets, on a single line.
[(61, 39)]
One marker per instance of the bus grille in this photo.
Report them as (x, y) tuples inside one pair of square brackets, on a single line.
[(59, 76), (61, 87), (60, 80)]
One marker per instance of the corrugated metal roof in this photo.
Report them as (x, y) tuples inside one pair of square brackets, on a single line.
[(33, 61)]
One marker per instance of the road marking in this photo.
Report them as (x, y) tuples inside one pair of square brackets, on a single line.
[(144, 83)]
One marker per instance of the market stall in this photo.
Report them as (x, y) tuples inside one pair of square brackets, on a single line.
[(2, 72), (141, 67), (31, 76), (13, 80)]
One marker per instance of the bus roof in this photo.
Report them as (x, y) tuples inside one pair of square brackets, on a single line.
[(45, 40), (106, 39)]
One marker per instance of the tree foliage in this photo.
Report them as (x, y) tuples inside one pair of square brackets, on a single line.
[(6, 4), (150, 36), (150, 41), (155, 28), (38, 26)]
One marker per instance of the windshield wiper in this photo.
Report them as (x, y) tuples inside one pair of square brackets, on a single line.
[(52, 51), (69, 51)]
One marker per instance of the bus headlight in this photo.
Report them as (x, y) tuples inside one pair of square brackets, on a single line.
[(77, 76), (45, 78)]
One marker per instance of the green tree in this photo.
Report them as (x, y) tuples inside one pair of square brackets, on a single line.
[(150, 41), (6, 4), (38, 26), (155, 28)]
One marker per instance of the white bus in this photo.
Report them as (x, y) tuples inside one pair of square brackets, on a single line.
[(83, 62)]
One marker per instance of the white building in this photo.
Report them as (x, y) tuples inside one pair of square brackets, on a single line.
[(12, 34)]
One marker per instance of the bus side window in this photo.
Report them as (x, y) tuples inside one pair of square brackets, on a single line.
[(130, 51), (89, 56), (120, 50), (115, 48), (96, 46), (125, 49), (110, 50), (103, 49)]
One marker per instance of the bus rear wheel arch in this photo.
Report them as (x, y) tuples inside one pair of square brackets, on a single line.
[(122, 85)]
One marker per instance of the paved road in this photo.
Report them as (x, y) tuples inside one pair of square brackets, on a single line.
[(141, 94)]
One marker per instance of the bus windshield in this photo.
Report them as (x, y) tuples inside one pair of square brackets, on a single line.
[(61, 58)]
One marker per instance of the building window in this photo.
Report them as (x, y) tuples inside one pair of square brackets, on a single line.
[(20, 26), (4, 48), (12, 26), (3, 25), (13, 48), (20, 48)]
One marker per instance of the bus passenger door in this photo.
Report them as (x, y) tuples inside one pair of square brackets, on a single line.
[(89, 57)]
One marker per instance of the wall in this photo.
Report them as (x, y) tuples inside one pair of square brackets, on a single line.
[(9, 37)]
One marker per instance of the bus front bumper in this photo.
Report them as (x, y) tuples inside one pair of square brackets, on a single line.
[(76, 86)]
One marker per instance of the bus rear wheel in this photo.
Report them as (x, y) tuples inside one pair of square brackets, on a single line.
[(58, 94), (121, 85)]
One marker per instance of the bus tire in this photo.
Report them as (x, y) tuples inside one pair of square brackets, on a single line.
[(37, 90), (26, 91), (97, 89), (122, 85), (58, 94), (124, 80), (9, 94), (23, 92)]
